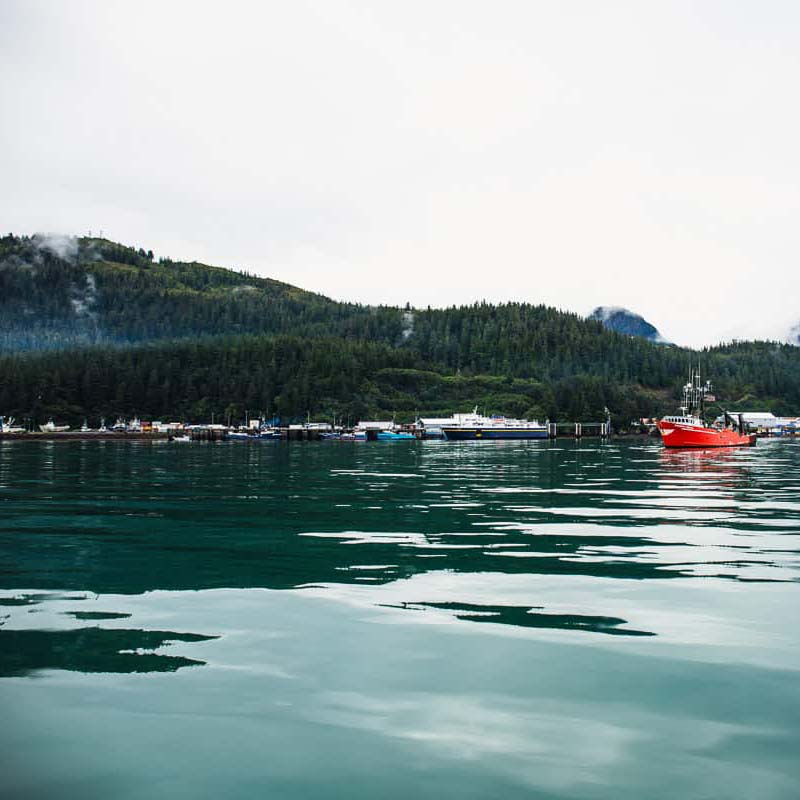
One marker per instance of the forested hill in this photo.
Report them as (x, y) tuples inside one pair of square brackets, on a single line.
[(65, 292), (57, 292), (123, 316)]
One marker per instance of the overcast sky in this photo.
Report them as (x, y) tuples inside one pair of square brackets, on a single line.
[(643, 154)]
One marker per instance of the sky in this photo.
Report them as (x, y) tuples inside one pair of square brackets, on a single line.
[(578, 153)]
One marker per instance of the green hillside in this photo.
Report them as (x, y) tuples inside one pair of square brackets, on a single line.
[(55, 294), (89, 327)]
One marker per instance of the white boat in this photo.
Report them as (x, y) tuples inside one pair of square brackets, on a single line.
[(476, 426), (85, 427), (8, 426), (51, 427)]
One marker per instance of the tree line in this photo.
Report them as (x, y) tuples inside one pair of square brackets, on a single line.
[(293, 376)]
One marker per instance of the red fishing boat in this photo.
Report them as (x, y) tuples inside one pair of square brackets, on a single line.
[(689, 430)]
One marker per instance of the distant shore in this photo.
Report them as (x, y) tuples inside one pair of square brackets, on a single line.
[(83, 436)]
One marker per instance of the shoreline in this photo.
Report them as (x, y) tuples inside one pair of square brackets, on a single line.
[(81, 436)]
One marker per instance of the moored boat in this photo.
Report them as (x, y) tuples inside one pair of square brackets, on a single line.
[(477, 427), (9, 426), (688, 428), (51, 427), (394, 436)]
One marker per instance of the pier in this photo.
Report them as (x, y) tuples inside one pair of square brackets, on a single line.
[(577, 430), (207, 433)]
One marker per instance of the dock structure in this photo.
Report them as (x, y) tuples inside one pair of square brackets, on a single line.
[(208, 433), (317, 431), (307, 432), (300, 434), (578, 430)]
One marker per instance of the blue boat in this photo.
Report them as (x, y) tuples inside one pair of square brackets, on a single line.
[(394, 436)]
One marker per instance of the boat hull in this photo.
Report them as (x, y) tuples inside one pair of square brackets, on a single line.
[(390, 436), (480, 434), (677, 435)]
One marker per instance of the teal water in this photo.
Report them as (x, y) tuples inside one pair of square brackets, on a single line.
[(511, 619)]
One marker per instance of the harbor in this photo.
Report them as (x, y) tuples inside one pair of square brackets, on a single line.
[(461, 426), (458, 427)]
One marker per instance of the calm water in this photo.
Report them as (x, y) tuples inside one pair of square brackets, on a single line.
[(402, 619)]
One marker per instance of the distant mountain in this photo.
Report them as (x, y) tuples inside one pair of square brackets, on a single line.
[(623, 321)]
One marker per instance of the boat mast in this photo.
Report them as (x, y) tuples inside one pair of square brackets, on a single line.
[(694, 395)]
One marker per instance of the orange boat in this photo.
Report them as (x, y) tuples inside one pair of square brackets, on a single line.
[(689, 430)]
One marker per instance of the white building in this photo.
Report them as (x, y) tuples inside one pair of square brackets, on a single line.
[(755, 419)]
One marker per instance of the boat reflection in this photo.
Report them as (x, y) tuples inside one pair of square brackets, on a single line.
[(720, 467)]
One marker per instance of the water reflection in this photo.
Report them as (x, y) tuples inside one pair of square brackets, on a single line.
[(525, 617), (571, 620), (374, 524), (91, 650)]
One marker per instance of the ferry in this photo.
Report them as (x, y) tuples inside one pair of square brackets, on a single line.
[(477, 427), (688, 428)]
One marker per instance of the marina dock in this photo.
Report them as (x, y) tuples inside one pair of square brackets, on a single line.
[(294, 433)]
